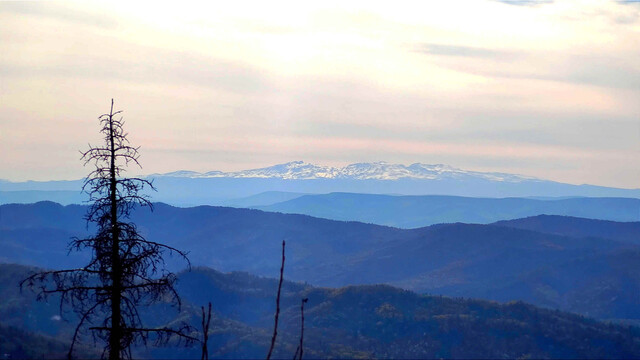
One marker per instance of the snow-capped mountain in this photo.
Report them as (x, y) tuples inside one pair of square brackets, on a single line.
[(300, 170), (189, 188)]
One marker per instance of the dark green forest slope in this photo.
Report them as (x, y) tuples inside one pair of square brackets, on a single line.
[(355, 321)]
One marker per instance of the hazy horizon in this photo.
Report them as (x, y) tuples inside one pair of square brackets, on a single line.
[(139, 173)]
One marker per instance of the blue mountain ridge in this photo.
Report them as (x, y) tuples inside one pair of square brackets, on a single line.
[(486, 261)]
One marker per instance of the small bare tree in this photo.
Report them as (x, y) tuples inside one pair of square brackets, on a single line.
[(300, 348), (277, 315), (126, 270), (206, 321)]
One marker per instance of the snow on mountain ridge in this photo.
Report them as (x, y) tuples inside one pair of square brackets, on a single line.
[(361, 171), (291, 170)]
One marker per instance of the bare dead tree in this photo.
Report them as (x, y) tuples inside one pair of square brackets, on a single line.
[(126, 270), (275, 326), (299, 351), (206, 320)]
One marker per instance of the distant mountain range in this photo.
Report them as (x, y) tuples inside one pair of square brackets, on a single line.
[(300, 170), (515, 260), (418, 211), (188, 188), (408, 211), (373, 321)]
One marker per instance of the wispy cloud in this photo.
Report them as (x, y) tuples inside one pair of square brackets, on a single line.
[(174, 68), (526, 2), (459, 50), (208, 86), (58, 12)]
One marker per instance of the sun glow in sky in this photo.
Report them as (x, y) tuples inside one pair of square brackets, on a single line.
[(549, 88)]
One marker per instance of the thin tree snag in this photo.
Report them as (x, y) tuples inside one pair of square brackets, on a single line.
[(205, 332), (298, 354), (275, 327), (125, 270)]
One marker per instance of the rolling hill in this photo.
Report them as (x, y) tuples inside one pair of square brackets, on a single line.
[(578, 227), (486, 261), (419, 211), (374, 321)]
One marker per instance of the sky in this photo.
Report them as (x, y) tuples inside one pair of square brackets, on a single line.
[(549, 89)]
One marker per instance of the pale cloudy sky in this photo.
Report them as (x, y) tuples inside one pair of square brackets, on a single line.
[(543, 88)]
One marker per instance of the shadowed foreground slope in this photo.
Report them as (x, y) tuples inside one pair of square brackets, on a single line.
[(356, 321)]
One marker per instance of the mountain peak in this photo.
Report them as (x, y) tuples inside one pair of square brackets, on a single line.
[(378, 170)]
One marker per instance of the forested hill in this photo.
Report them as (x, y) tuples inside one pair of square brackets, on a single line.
[(372, 321), (578, 227), (418, 211), (590, 275)]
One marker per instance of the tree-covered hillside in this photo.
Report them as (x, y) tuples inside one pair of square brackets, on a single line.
[(423, 210), (374, 321), (586, 267)]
